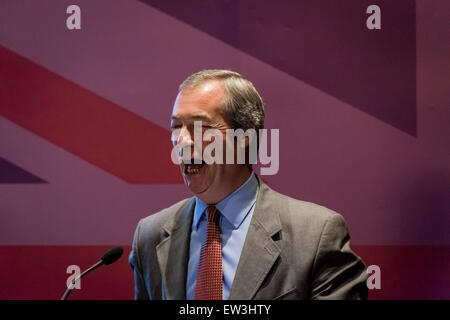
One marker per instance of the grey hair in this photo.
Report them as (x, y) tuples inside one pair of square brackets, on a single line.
[(242, 105)]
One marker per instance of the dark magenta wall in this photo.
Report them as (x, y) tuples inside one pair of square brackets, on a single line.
[(364, 119)]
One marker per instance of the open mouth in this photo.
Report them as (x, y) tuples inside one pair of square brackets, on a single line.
[(191, 168)]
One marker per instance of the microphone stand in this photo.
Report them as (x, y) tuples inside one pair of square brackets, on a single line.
[(74, 282)]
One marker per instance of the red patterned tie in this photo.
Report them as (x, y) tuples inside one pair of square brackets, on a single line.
[(209, 277)]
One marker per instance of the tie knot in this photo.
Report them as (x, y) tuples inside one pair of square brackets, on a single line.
[(212, 213)]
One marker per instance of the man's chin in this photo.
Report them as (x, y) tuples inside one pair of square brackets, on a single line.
[(197, 190), (196, 184)]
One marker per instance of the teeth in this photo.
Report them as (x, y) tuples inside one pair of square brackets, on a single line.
[(191, 170)]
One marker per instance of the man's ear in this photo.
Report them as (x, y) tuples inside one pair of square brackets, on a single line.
[(253, 138)]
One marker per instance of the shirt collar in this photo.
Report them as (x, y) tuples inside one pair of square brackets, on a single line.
[(234, 207)]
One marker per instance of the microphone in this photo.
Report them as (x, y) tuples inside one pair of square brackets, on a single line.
[(111, 256)]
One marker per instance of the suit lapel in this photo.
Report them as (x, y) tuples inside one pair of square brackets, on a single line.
[(172, 253), (260, 251)]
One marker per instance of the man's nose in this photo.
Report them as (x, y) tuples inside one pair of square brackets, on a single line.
[(185, 137), (185, 140)]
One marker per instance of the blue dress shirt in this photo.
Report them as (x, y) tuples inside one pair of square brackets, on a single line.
[(236, 212)]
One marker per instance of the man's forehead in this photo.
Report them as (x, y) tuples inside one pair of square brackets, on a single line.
[(191, 116), (205, 88), (210, 92), (202, 102)]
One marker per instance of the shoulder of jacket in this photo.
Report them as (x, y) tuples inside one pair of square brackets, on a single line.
[(301, 210), (158, 219)]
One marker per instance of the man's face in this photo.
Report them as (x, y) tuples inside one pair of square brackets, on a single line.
[(201, 103)]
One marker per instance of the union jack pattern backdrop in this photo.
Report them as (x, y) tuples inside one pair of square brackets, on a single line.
[(364, 119)]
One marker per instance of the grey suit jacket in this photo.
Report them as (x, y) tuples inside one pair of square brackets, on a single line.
[(293, 250)]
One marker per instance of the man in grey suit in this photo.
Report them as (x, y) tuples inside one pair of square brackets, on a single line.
[(237, 238)]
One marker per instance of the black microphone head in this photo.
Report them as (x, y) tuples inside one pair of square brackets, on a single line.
[(112, 255)]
